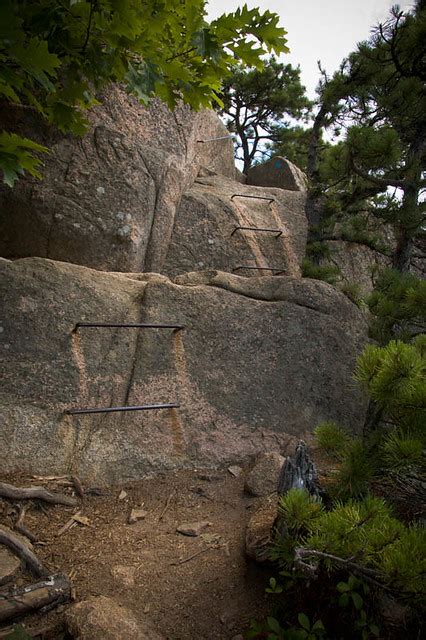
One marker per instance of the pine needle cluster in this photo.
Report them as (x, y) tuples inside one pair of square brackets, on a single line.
[(398, 305)]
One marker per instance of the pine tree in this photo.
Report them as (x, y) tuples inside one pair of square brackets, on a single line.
[(255, 101)]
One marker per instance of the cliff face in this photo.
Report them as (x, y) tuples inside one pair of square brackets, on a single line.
[(141, 223)]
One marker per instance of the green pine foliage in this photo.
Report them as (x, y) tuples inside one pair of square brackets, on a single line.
[(402, 451), (398, 304), (375, 106), (368, 531), (256, 100), (327, 273), (362, 531), (56, 56), (332, 438), (299, 509), (316, 251), (352, 478), (395, 378)]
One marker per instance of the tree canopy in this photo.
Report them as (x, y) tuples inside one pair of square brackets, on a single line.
[(377, 99), (57, 54), (255, 100)]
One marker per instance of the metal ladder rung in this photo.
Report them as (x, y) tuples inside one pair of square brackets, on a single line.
[(278, 270), (142, 407), (279, 232), (245, 195), (127, 325)]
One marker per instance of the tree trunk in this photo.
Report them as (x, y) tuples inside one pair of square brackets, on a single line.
[(410, 220), (313, 203)]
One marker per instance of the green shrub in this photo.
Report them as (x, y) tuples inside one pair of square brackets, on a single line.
[(352, 290), (327, 273)]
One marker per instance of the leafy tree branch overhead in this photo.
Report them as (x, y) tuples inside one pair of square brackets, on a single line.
[(57, 54)]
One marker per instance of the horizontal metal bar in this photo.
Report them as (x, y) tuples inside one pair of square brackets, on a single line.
[(219, 138), (279, 232), (128, 325), (278, 271), (142, 407), (244, 195)]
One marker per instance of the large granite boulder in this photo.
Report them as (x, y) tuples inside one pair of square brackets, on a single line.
[(358, 263), (108, 200), (205, 235), (261, 361), (277, 172)]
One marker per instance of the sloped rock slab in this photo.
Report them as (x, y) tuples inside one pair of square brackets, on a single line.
[(205, 234), (261, 361)]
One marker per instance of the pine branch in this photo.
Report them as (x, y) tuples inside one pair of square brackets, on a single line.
[(367, 574), (382, 182)]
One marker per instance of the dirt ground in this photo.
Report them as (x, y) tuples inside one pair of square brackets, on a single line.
[(190, 588)]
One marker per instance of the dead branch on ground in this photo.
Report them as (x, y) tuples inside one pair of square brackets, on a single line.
[(35, 493), (18, 601)]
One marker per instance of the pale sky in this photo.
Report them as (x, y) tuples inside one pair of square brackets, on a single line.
[(325, 30)]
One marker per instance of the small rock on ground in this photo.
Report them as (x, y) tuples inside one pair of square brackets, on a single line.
[(192, 528), (137, 514), (124, 575), (101, 618), (263, 478), (235, 470)]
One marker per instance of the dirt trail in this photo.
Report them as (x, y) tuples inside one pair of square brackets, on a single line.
[(212, 596)]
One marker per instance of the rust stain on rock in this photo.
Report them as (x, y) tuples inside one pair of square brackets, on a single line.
[(80, 362), (178, 350), (293, 268)]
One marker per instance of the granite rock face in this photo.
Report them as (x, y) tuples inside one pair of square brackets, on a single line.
[(261, 361), (205, 234), (108, 200), (357, 263), (277, 172)]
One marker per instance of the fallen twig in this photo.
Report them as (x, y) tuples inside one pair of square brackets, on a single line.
[(69, 523), (18, 547), (194, 555), (166, 506), (16, 602), (35, 493)]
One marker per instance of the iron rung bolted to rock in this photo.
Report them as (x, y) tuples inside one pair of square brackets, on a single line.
[(142, 407), (127, 325), (279, 232), (245, 195), (219, 138), (278, 270)]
